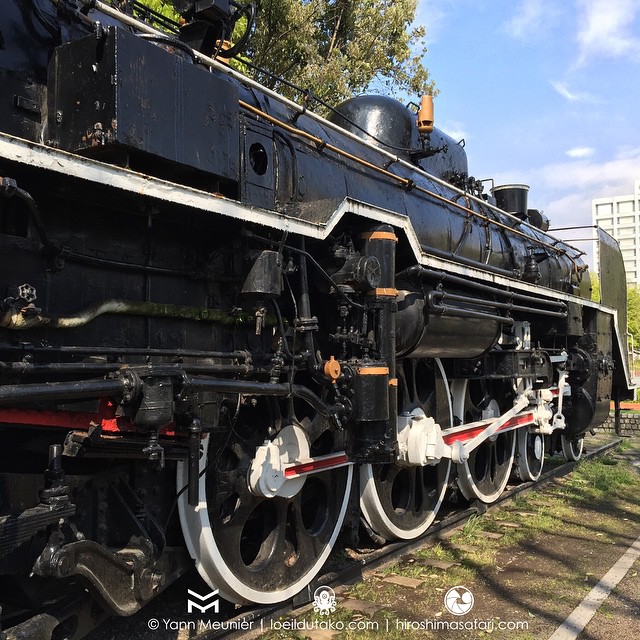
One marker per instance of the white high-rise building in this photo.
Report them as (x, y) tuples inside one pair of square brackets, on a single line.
[(620, 216)]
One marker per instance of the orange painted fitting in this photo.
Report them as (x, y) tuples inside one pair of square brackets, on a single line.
[(373, 371), (379, 235), (332, 369), (425, 115)]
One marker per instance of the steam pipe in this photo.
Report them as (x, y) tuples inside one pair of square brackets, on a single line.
[(444, 310), (28, 368), (259, 389), (19, 393), (448, 255), (442, 295), (136, 351), (419, 272)]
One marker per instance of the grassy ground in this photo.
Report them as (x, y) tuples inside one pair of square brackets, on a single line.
[(530, 562)]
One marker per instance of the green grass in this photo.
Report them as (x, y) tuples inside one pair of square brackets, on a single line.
[(607, 488), (471, 527), (626, 444), (604, 475)]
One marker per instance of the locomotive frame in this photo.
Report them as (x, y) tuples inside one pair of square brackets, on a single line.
[(254, 325)]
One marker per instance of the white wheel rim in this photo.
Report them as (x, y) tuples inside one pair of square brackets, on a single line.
[(375, 513), (529, 459), (466, 482), (572, 448), (201, 544)]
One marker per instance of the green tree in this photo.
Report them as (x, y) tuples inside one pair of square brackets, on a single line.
[(595, 287), (163, 7), (633, 313), (336, 48)]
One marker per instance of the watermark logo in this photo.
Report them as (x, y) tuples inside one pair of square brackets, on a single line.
[(324, 601), (203, 608), (458, 600)]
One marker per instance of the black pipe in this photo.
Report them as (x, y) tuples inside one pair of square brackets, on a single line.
[(128, 266), (419, 272), (16, 394), (305, 309), (444, 310), (21, 393), (9, 188), (251, 388), (125, 351), (27, 368), (442, 295), (448, 255), (195, 431), (616, 408)]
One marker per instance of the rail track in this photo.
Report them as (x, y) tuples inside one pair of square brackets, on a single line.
[(354, 571), (236, 623)]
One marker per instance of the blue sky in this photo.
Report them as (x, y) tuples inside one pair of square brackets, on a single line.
[(544, 92)]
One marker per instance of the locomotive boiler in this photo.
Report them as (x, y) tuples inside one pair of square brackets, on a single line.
[(232, 329)]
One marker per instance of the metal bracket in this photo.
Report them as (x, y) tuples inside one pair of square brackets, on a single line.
[(122, 582)]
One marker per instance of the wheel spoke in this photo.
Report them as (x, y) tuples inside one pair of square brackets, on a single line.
[(256, 549), (530, 456), (572, 447), (402, 501), (485, 473), (493, 469)]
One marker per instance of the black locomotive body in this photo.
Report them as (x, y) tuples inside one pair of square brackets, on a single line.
[(229, 326)]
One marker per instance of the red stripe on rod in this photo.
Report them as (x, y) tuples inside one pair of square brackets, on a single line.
[(316, 465), (464, 436)]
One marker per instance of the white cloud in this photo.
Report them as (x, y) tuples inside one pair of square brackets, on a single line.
[(573, 96), (580, 152), (530, 18), (527, 18), (456, 130), (433, 15), (606, 28), (602, 178), (564, 190), (569, 210)]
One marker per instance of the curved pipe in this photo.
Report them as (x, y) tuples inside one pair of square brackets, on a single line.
[(9, 188), (262, 389), (17, 320)]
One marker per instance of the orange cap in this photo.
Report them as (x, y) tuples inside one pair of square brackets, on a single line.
[(332, 369), (425, 115)]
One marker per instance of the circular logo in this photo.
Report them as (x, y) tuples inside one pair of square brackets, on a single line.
[(458, 600), (324, 600)]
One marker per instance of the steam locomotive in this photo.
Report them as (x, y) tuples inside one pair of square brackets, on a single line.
[(232, 328)]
